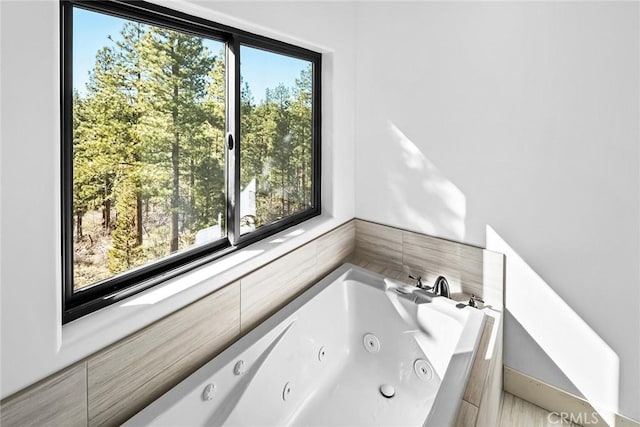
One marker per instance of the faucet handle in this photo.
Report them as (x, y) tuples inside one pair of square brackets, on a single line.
[(417, 278), (474, 300)]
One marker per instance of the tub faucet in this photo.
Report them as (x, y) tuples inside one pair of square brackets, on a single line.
[(441, 287), (418, 280)]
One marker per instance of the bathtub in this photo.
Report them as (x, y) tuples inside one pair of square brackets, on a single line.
[(354, 349)]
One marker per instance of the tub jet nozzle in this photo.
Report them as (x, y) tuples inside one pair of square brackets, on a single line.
[(387, 391)]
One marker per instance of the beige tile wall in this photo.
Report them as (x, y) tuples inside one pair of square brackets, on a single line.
[(468, 269), (110, 386), (467, 415), (335, 247), (491, 396), (269, 288), (480, 369), (379, 244), (60, 400)]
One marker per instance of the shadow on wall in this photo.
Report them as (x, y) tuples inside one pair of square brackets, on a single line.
[(425, 198), (528, 349), (583, 357), (422, 179)]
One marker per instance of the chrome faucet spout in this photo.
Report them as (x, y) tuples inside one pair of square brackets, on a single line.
[(441, 287)]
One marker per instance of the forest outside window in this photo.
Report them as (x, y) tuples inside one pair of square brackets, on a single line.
[(183, 140)]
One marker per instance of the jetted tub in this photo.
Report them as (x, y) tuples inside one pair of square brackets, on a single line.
[(330, 356)]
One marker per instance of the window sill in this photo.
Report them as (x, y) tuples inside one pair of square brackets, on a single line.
[(97, 330)]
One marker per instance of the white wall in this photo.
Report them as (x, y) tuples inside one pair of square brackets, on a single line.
[(33, 342), (522, 117)]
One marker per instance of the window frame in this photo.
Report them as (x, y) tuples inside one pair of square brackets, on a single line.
[(76, 304)]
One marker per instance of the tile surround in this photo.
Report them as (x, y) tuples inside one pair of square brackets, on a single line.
[(335, 247), (60, 399), (490, 399), (266, 290), (379, 243), (467, 415), (468, 269), (480, 369)]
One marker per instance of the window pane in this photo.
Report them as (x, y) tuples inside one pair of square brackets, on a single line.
[(148, 144), (276, 134)]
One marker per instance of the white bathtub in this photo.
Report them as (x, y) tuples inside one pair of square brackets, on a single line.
[(315, 362)]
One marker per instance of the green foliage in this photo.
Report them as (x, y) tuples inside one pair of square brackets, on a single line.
[(149, 150), (126, 251), (276, 148)]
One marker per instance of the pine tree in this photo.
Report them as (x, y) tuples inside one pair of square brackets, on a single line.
[(126, 251), (207, 153), (97, 135), (302, 129), (128, 56), (178, 65)]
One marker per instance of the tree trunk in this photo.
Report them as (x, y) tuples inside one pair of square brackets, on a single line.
[(282, 198), (106, 215), (175, 163), (106, 209), (175, 197), (304, 173), (192, 191), (78, 226), (138, 75), (138, 220)]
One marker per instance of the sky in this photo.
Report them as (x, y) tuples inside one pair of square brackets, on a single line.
[(260, 69)]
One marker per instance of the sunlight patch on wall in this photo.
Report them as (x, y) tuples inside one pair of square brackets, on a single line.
[(196, 277), (425, 195), (585, 358)]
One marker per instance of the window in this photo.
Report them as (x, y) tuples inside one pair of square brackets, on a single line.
[(276, 131), (182, 140)]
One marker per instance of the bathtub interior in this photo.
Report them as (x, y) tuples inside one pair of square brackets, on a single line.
[(310, 363)]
